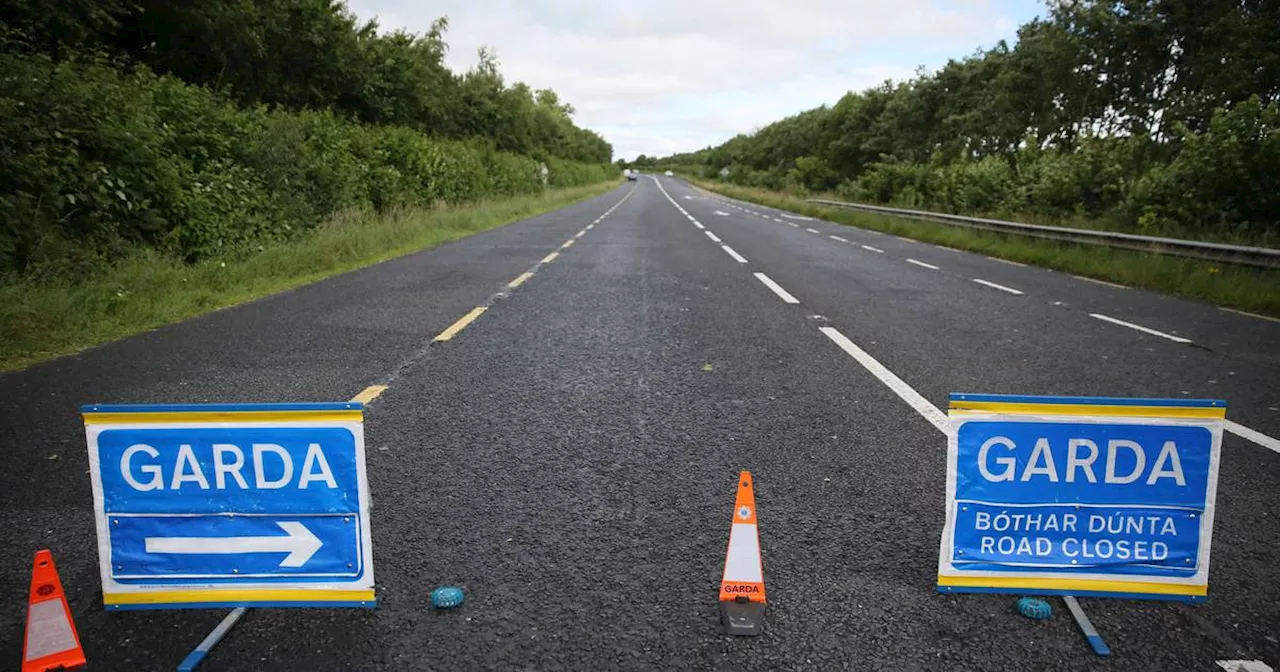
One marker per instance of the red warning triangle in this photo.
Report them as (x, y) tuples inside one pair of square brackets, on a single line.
[(51, 642)]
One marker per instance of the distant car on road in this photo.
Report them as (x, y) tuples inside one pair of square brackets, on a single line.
[(669, 174), (631, 175)]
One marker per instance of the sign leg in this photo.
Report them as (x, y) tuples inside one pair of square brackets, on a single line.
[(1095, 640), (194, 658)]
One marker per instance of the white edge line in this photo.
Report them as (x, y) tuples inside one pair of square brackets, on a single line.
[(698, 224), (1002, 288), (1241, 312), (712, 236), (1244, 666), (736, 257), (1255, 436), (1099, 282), (1006, 261), (921, 263), (777, 289), (1153, 332), (908, 394)]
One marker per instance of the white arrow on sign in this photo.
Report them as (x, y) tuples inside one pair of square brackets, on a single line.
[(300, 544)]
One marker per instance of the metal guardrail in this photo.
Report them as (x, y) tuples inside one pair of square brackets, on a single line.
[(1233, 254)]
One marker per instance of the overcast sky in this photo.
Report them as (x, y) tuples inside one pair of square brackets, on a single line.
[(661, 76)]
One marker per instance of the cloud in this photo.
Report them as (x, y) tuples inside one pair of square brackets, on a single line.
[(662, 76)]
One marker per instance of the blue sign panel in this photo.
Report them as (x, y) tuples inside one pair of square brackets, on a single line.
[(231, 505), (1080, 496)]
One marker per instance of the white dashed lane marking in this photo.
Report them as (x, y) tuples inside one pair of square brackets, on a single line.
[(908, 394), (736, 257), (993, 285), (1145, 330), (777, 289)]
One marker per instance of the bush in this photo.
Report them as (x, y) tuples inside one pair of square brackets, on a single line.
[(906, 184), (1227, 177), (100, 164), (974, 186), (562, 173), (813, 174)]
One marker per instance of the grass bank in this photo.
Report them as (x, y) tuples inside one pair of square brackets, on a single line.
[(42, 320), (1245, 288)]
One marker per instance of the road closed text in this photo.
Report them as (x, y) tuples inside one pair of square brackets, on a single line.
[(1074, 536)]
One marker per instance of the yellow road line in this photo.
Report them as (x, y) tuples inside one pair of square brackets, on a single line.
[(550, 257), (519, 280), (369, 393), (568, 243), (461, 324)]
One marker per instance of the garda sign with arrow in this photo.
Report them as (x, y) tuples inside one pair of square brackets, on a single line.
[(216, 505), (1106, 497)]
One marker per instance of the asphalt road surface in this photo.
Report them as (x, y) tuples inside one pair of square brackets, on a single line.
[(569, 457)]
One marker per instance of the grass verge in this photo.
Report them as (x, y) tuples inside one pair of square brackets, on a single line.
[(40, 321), (1245, 288)]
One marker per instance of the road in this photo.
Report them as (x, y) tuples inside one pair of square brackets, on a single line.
[(568, 457)]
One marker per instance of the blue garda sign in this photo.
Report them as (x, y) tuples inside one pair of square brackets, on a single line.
[(231, 505), (1080, 496)]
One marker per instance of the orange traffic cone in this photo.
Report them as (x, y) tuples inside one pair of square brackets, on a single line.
[(742, 587), (52, 642)]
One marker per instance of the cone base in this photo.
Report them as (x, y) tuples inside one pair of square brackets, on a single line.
[(742, 618)]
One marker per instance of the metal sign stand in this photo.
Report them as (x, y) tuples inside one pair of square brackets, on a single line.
[(193, 659), (1086, 626)]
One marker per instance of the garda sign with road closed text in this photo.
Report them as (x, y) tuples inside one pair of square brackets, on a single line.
[(1080, 496), (216, 505)]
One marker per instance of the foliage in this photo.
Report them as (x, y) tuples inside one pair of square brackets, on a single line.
[(1151, 115), (308, 54), (100, 162)]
